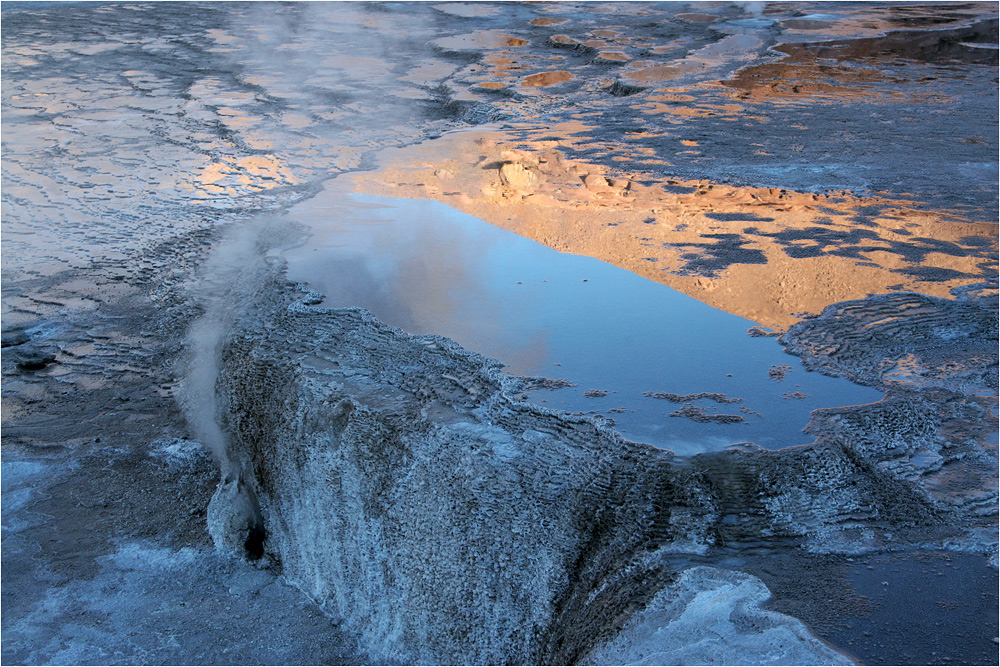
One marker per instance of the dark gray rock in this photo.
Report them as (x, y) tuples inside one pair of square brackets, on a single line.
[(13, 337), (33, 358)]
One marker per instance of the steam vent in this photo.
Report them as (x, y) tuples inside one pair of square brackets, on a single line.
[(497, 333)]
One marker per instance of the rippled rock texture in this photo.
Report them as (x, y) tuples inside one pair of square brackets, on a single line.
[(936, 359)]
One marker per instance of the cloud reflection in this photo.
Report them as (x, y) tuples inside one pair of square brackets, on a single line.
[(415, 271)]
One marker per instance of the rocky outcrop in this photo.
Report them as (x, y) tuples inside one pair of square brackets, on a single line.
[(397, 481), (934, 432), (402, 488)]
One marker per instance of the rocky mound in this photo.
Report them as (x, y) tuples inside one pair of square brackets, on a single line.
[(396, 480)]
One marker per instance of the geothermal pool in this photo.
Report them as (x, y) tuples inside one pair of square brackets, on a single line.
[(425, 267)]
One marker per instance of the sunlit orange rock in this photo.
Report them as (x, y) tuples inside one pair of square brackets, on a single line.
[(765, 254)]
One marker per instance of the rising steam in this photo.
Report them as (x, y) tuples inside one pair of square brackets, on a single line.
[(227, 285)]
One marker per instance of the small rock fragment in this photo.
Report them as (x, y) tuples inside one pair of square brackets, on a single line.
[(34, 358), (515, 176)]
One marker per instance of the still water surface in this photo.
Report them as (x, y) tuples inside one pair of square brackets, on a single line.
[(427, 268)]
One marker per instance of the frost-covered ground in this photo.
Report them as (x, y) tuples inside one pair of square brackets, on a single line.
[(394, 498)]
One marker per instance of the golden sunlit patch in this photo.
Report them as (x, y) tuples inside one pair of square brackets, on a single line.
[(547, 21), (562, 40), (483, 39), (805, 249), (547, 78), (612, 57), (252, 173)]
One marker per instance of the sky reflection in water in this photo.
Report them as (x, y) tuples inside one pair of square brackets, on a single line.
[(427, 268)]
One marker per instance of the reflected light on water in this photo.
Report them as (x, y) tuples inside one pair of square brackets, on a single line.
[(622, 342), (765, 254)]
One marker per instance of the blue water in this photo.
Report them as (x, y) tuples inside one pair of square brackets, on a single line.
[(427, 268)]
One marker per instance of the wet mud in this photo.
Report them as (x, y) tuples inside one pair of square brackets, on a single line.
[(202, 466)]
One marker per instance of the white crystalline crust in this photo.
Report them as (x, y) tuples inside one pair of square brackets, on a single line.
[(713, 617), (445, 522), (403, 488)]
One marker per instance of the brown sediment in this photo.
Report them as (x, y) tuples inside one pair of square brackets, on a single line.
[(877, 23), (813, 81), (948, 45), (758, 332), (778, 372), (851, 67), (254, 172), (764, 254), (562, 41), (612, 57), (547, 21), (543, 79), (795, 395), (594, 44), (671, 96), (659, 73), (549, 384)]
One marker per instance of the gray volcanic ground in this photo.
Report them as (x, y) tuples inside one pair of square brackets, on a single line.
[(497, 333)]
